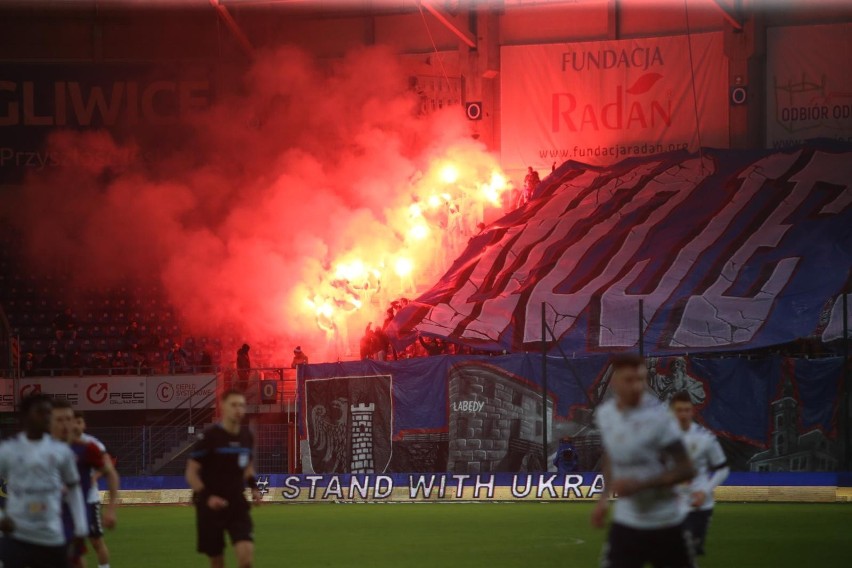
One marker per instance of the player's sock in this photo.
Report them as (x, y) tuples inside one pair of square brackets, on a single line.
[(103, 565)]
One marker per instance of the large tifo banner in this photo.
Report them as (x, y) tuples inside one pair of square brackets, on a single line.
[(601, 102), (115, 393), (808, 84), (476, 415), (721, 249)]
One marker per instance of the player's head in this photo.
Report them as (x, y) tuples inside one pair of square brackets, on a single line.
[(62, 420), (36, 413), (233, 404), (684, 410), (79, 423), (629, 375)]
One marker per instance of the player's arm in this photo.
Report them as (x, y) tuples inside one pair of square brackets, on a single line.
[(193, 476), (599, 513), (680, 470), (719, 472), (74, 495), (113, 484), (251, 480), (199, 492), (6, 523)]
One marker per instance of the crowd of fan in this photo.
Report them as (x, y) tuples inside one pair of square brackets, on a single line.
[(376, 344), (137, 350)]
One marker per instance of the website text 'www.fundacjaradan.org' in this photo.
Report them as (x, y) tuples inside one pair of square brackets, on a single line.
[(617, 151)]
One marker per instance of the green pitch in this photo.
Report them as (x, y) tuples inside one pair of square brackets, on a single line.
[(473, 535)]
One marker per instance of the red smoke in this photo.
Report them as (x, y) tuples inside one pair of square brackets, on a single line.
[(304, 178)]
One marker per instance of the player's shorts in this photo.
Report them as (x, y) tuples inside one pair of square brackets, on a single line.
[(96, 524), (212, 526), (15, 554), (696, 525), (627, 547)]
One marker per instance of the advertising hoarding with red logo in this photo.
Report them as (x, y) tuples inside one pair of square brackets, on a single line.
[(115, 393), (89, 393), (602, 102), (808, 84)]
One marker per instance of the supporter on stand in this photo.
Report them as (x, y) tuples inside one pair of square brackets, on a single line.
[(531, 181), (139, 362), (28, 365), (205, 363), (367, 342), (51, 364), (243, 367), (434, 346), (382, 344), (177, 359), (299, 358)]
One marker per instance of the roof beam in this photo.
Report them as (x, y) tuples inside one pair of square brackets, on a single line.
[(234, 27), (728, 16), (448, 23)]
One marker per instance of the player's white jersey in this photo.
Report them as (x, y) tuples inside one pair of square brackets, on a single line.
[(94, 495), (36, 474), (633, 440), (707, 457)]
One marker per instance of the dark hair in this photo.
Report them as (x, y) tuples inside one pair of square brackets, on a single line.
[(624, 360), (79, 414), (231, 392), (33, 400), (681, 396), (60, 403)]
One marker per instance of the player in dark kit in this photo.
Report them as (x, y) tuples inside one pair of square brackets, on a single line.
[(218, 471)]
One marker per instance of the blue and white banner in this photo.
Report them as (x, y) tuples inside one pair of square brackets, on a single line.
[(729, 250), (474, 415)]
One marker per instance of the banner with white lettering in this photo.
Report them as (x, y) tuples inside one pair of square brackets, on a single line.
[(808, 84), (601, 102), (117, 392), (431, 487), (720, 250)]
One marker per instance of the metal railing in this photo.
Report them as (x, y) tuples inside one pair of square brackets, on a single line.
[(131, 448), (172, 434), (146, 371)]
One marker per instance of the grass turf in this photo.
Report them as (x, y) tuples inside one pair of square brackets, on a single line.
[(473, 535)]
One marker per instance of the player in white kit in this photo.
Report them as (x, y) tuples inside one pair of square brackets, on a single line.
[(644, 460), (712, 465), (38, 471)]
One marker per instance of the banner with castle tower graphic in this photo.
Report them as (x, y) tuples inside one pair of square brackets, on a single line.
[(471, 415), (349, 422)]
